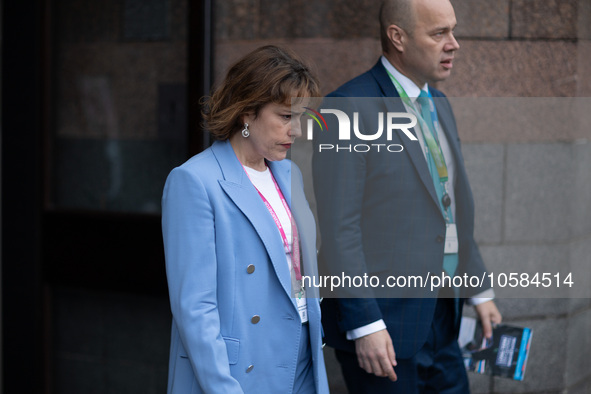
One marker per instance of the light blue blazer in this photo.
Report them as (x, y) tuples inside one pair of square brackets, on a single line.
[(215, 226)]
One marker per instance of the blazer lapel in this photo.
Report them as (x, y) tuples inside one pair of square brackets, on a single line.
[(394, 104), (303, 217), (282, 173), (244, 195)]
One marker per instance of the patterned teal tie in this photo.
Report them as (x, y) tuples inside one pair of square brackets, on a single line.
[(450, 261)]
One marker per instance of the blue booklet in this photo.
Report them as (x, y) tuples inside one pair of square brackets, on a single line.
[(504, 355)]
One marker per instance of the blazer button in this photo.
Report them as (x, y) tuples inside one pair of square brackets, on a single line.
[(440, 239), (249, 369), (255, 319), (250, 269)]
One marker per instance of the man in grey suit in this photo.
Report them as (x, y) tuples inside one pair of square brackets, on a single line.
[(399, 212)]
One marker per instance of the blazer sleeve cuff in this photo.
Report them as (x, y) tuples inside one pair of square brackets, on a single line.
[(357, 312)]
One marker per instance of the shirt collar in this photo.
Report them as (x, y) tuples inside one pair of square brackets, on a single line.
[(411, 89)]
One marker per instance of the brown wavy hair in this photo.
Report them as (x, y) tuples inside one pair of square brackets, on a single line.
[(269, 74)]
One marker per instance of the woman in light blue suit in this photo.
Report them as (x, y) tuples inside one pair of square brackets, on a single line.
[(238, 235)]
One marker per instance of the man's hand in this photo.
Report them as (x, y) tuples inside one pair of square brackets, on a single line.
[(489, 315), (375, 354)]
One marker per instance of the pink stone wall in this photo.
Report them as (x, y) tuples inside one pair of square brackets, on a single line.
[(509, 48)]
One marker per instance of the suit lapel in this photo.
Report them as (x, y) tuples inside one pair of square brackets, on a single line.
[(448, 126), (420, 163), (461, 178), (381, 75), (244, 195), (413, 148)]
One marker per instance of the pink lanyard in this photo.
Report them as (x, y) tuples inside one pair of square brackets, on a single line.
[(294, 251)]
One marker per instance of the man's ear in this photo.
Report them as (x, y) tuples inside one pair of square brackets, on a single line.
[(397, 37)]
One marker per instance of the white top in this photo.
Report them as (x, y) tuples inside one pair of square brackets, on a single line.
[(264, 183)]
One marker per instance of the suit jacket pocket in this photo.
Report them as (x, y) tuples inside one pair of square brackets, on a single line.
[(233, 348)]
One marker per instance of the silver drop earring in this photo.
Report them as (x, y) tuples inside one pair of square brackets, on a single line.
[(245, 131)]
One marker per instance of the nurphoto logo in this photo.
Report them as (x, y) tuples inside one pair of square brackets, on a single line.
[(387, 122)]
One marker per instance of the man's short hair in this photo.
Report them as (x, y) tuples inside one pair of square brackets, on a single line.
[(395, 12)]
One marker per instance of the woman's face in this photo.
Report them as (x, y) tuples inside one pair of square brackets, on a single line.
[(274, 129)]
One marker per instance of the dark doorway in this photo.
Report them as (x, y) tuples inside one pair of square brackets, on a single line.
[(98, 105)]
